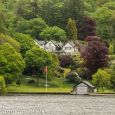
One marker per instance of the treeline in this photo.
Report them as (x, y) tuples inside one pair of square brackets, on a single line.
[(18, 15)]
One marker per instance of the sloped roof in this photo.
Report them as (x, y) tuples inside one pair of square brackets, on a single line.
[(87, 83), (40, 42)]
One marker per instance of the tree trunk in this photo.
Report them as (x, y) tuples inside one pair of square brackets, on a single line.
[(102, 88), (37, 77), (6, 82)]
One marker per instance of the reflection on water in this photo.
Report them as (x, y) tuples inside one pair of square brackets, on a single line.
[(59, 104)]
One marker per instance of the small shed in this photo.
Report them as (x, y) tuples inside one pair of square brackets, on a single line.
[(82, 88)]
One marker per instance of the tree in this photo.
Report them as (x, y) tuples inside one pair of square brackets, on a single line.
[(88, 28), (54, 33), (111, 49), (73, 77), (76, 57), (113, 77), (65, 61), (54, 56), (71, 29), (3, 63), (25, 41), (105, 34), (3, 89), (35, 27), (50, 74), (101, 78), (38, 59), (14, 63), (101, 2), (11, 41), (95, 55)]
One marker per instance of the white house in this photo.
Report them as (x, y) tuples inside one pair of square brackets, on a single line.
[(60, 48)]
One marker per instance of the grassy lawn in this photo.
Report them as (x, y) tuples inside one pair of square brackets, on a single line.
[(55, 85), (23, 88)]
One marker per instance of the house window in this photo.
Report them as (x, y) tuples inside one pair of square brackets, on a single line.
[(70, 48), (65, 48), (49, 44)]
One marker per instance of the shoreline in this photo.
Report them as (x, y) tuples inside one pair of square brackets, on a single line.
[(58, 93)]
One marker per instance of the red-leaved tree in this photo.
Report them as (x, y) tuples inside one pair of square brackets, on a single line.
[(88, 28), (95, 55), (65, 61)]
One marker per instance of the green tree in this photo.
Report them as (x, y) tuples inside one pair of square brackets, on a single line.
[(3, 89), (113, 77), (101, 78), (54, 56), (35, 27), (71, 29), (105, 34), (50, 74), (76, 57), (15, 63), (73, 77), (111, 49), (11, 41), (54, 33), (25, 41), (38, 59)]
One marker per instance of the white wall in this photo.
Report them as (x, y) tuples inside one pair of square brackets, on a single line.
[(41, 46), (67, 49), (49, 47)]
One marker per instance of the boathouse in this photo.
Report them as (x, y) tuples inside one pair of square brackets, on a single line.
[(83, 87)]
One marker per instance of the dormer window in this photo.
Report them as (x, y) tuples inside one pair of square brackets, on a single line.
[(49, 44)]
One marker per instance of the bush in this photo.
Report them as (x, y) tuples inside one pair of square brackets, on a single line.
[(112, 57), (59, 57), (31, 81), (18, 82), (73, 77), (50, 74), (65, 61), (58, 74), (3, 89)]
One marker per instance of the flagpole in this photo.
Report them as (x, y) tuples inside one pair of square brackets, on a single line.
[(46, 78)]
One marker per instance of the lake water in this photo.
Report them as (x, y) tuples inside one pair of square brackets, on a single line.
[(57, 105)]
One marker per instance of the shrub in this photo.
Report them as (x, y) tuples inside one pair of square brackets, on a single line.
[(50, 74), (18, 82), (65, 61), (73, 77), (31, 81), (3, 89), (112, 57)]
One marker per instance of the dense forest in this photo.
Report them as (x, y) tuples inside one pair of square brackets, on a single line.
[(43, 18)]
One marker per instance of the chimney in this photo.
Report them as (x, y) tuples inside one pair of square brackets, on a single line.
[(45, 40), (64, 42), (74, 41)]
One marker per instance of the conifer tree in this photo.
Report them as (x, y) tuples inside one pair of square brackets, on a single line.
[(71, 29), (105, 34)]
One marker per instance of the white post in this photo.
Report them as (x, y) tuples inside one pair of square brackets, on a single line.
[(46, 78)]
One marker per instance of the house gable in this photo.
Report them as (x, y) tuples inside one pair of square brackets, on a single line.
[(50, 46)]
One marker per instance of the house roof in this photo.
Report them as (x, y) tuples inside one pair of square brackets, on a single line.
[(87, 83), (40, 42), (56, 43)]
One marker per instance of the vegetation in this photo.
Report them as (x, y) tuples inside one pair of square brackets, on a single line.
[(37, 59), (3, 89), (73, 77), (89, 22), (95, 55), (101, 78), (65, 61)]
